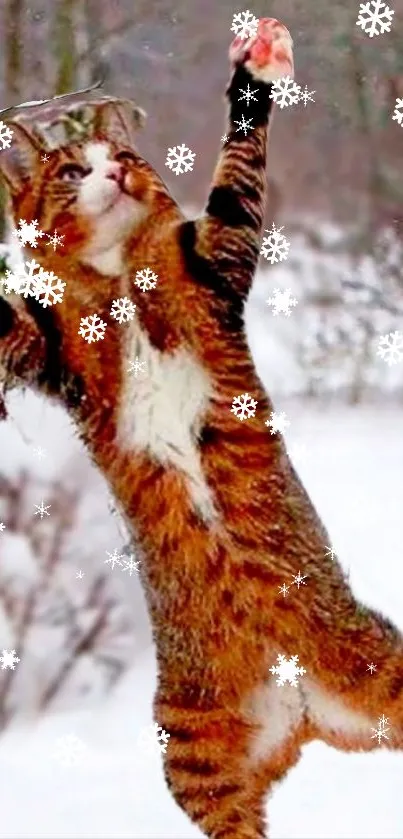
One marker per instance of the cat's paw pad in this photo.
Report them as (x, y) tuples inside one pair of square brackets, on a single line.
[(267, 55)]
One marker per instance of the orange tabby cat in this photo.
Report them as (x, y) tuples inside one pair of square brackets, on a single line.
[(218, 511)]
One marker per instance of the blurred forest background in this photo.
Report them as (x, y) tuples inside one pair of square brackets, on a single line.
[(335, 183)]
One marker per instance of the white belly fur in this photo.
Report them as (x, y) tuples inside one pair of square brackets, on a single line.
[(162, 412)]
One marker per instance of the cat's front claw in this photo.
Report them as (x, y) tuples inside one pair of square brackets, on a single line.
[(268, 55)]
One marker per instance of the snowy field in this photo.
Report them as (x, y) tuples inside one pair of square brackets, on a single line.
[(353, 469)]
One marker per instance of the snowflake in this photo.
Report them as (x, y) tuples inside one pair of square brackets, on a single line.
[(6, 135), (380, 15), (24, 279), (146, 279), (380, 732), (277, 422), (371, 667), (114, 558), (70, 750), (330, 552), (244, 24), (130, 564), (80, 574), (180, 159), (248, 95), (122, 309), (224, 138), (287, 670), (390, 347), (282, 302), (9, 659), (39, 452), (299, 579), (45, 158), (307, 96), (285, 92), (28, 233), (2, 526), (42, 510), (275, 246), (153, 739), (137, 367), (55, 240), (243, 125), (92, 328), (243, 406), (48, 289), (398, 112), (284, 589)]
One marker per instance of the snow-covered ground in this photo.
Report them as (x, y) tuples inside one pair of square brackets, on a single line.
[(353, 469)]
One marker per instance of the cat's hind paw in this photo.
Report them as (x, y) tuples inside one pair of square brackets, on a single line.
[(268, 55)]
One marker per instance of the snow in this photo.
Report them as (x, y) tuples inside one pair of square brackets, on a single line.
[(354, 473)]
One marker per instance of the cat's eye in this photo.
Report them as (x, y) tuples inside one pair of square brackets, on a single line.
[(71, 172), (125, 155)]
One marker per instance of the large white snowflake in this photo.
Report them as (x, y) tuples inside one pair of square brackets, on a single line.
[(23, 279), (28, 233), (398, 112), (244, 24), (243, 406), (285, 92), (282, 301), (375, 17), (114, 558), (9, 659), (92, 328), (153, 739), (70, 751), (146, 279), (277, 422), (180, 159), (49, 289), (287, 670), (244, 125), (122, 309), (390, 347), (6, 135), (275, 246)]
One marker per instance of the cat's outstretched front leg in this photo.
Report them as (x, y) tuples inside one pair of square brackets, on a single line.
[(222, 247)]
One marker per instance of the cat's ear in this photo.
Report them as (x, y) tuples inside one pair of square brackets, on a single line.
[(21, 160), (119, 121)]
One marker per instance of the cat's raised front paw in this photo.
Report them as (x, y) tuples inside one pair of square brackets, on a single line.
[(268, 54)]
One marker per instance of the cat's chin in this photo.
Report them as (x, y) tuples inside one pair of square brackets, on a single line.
[(111, 229)]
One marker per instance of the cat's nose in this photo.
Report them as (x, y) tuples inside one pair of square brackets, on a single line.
[(116, 173)]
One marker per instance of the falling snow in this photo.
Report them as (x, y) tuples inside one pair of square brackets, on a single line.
[(114, 558), (375, 17), (9, 659), (380, 732), (282, 301), (92, 328), (55, 240), (287, 670), (244, 24), (243, 406), (330, 552), (284, 589), (146, 279), (130, 564), (245, 125), (42, 510), (122, 309), (371, 667), (390, 347), (275, 246), (153, 740), (398, 112), (306, 96), (248, 95), (28, 233), (2, 526), (299, 579), (180, 159), (48, 289), (285, 92), (137, 367), (6, 135), (277, 422)]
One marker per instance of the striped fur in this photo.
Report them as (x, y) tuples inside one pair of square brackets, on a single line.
[(211, 581)]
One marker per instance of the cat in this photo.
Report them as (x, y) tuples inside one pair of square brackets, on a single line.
[(219, 513)]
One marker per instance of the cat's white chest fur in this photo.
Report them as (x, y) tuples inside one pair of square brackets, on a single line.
[(161, 412)]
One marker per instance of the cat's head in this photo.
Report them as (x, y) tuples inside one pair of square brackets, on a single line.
[(94, 192)]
